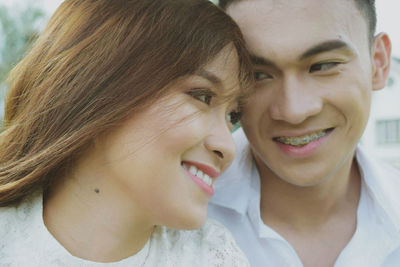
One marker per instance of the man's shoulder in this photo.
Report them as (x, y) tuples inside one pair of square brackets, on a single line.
[(389, 179), (383, 181), (377, 171)]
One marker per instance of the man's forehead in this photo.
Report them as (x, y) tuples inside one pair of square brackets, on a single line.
[(289, 6), (286, 16), (290, 28), (310, 18)]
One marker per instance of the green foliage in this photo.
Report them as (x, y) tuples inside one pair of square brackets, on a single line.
[(17, 32), (235, 127), (18, 29)]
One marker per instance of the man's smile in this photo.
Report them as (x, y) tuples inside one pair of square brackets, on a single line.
[(302, 140)]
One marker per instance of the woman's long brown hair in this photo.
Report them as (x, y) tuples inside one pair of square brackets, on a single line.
[(97, 62)]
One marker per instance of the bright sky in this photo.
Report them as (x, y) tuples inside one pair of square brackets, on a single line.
[(388, 16), (388, 12)]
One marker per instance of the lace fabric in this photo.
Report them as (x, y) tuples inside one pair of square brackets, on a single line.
[(25, 241), (212, 245)]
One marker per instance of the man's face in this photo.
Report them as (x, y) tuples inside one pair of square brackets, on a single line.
[(314, 76)]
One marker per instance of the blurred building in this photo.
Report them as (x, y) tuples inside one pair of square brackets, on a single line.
[(382, 135)]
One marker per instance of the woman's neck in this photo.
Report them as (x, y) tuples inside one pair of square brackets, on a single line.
[(83, 214)]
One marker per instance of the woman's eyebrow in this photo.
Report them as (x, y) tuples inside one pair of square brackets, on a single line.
[(261, 61), (217, 82), (210, 77)]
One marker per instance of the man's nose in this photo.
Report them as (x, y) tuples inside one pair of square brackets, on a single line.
[(295, 101)]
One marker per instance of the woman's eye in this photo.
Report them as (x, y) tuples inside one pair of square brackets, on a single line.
[(205, 98), (260, 75), (234, 117), (323, 66), (203, 95)]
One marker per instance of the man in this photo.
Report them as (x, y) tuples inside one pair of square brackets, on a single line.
[(301, 192)]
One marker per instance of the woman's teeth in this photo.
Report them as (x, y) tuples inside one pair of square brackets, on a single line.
[(301, 140), (198, 173)]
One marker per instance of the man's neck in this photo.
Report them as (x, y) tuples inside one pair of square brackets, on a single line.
[(310, 216), (310, 206)]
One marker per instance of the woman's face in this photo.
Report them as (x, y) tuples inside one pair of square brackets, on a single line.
[(162, 161)]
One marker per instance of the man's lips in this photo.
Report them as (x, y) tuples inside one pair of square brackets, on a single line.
[(300, 139), (303, 145)]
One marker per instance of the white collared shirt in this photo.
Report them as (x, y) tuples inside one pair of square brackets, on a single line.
[(376, 241)]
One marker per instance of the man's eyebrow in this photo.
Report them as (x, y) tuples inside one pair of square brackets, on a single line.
[(326, 47), (210, 76), (260, 61)]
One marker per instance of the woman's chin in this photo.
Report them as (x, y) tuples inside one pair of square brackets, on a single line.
[(190, 222)]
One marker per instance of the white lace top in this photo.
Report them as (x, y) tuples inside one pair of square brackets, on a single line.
[(25, 241)]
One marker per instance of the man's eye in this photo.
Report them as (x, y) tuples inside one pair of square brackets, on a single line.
[(203, 95), (260, 75), (234, 117), (323, 66)]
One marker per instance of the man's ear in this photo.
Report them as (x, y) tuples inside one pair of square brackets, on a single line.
[(381, 52)]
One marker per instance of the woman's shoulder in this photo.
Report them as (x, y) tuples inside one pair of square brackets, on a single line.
[(11, 217), (14, 215), (7, 219), (10, 232), (221, 246), (211, 245), (15, 224)]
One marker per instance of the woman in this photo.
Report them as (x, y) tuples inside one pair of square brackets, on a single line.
[(117, 122)]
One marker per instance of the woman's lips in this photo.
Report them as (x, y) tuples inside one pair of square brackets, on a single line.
[(202, 175)]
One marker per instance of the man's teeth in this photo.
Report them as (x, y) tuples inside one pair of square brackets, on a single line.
[(198, 173), (301, 140)]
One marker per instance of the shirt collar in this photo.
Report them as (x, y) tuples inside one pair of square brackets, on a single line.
[(237, 187), (382, 183)]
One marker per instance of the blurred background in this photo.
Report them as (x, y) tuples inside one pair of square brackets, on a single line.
[(22, 20)]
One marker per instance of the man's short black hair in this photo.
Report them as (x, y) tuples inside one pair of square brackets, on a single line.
[(367, 8)]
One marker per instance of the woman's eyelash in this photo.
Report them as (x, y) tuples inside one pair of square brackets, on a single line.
[(206, 96), (203, 95), (260, 75)]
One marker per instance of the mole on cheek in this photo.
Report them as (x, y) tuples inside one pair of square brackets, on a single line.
[(97, 190)]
